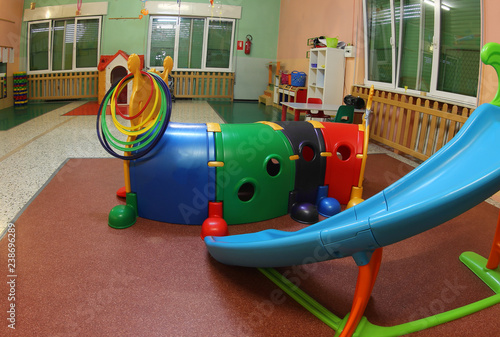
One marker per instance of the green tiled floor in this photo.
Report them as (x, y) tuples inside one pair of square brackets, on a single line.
[(13, 116), (230, 112), (246, 112)]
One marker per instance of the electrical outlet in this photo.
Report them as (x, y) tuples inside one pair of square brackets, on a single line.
[(350, 51)]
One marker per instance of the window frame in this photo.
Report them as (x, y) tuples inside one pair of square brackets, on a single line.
[(50, 42), (205, 44), (396, 57), (28, 48), (176, 46), (53, 31)]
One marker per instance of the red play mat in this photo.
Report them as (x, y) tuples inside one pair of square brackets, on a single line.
[(91, 108)]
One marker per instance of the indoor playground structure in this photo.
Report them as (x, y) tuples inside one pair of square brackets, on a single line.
[(459, 176), (214, 175)]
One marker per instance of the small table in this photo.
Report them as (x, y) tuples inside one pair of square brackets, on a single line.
[(306, 106)]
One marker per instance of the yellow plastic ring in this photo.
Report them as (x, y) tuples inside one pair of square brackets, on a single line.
[(136, 130), (138, 127)]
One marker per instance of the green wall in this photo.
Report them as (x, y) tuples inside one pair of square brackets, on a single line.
[(127, 35), (259, 18)]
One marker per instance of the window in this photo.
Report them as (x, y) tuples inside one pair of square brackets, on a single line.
[(219, 44), (39, 41), (64, 45), (63, 38), (424, 45), (190, 48), (193, 43), (161, 40)]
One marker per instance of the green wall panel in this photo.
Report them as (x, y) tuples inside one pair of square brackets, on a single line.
[(259, 18)]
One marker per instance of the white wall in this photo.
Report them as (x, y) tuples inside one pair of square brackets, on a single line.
[(251, 77)]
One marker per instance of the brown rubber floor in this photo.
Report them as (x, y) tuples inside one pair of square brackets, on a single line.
[(78, 277)]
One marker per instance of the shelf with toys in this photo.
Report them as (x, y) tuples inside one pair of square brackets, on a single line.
[(326, 75)]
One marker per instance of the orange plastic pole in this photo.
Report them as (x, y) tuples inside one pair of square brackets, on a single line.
[(270, 73), (366, 138), (126, 168), (137, 99), (138, 82), (494, 258), (357, 191), (367, 276)]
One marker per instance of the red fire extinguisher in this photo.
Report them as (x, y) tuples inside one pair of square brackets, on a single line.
[(248, 44)]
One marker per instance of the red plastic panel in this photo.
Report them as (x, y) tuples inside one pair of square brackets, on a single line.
[(344, 141)]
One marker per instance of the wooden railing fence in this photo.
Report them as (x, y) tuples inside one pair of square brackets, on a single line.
[(187, 84), (197, 84), (63, 85), (413, 125)]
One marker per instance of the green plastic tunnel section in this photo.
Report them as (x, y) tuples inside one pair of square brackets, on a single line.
[(257, 176)]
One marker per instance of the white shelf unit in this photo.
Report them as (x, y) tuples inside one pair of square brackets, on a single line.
[(326, 75)]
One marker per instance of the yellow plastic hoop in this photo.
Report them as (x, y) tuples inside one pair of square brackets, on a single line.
[(118, 90), (135, 130)]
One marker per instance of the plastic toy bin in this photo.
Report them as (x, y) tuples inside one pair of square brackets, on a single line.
[(298, 79)]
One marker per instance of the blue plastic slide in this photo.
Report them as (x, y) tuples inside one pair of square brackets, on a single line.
[(459, 176)]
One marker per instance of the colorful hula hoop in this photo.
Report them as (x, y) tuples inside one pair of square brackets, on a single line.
[(120, 87), (151, 133), (136, 129)]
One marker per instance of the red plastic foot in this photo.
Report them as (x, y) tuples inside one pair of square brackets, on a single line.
[(214, 225), (122, 193), (366, 280), (494, 258)]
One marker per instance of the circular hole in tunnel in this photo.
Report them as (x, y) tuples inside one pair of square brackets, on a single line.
[(273, 167), (343, 152), (307, 153), (246, 192)]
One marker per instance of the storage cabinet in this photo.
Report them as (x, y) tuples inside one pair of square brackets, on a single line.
[(326, 75), (288, 93)]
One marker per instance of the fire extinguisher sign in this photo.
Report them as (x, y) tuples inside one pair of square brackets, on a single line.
[(239, 45)]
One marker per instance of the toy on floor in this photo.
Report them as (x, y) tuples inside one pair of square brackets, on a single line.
[(459, 176), (213, 175), (149, 115)]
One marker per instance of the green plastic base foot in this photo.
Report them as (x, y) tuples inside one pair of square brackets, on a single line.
[(477, 264), (472, 260), (124, 216)]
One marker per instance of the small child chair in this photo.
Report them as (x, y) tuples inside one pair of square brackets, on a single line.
[(345, 114), (319, 114)]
